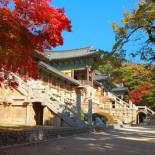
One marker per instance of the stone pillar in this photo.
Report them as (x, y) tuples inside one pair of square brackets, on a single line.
[(29, 114), (46, 120), (90, 111), (78, 102)]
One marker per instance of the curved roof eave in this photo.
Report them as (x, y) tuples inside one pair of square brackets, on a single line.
[(69, 54)]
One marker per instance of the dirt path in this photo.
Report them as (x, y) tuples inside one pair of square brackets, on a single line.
[(128, 141)]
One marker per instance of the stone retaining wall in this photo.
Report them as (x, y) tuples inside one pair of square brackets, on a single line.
[(35, 135)]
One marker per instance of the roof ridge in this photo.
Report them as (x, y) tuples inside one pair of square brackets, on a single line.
[(88, 47)]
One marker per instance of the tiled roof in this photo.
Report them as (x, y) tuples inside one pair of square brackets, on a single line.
[(74, 53), (101, 77), (98, 76), (58, 73), (120, 89)]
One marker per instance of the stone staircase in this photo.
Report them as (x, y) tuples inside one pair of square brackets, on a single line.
[(37, 92), (120, 104), (128, 105), (52, 102), (150, 114), (117, 100)]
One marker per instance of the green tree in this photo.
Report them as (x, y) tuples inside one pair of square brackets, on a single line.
[(150, 98), (133, 76), (137, 35)]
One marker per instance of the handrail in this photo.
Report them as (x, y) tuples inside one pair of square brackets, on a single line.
[(111, 95)]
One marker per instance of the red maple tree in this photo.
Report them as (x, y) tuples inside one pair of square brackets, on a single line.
[(26, 26), (137, 94)]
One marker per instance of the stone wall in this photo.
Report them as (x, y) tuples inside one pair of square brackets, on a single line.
[(24, 114), (35, 135), (13, 114), (113, 115)]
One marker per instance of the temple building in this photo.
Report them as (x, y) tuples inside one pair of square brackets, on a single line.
[(69, 88), (75, 63), (79, 64)]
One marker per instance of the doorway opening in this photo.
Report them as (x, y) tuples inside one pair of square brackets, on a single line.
[(38, 109), (141, 116)]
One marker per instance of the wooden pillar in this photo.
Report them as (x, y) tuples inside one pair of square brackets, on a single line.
[(92, 78), (90, 75), (87, 74), (72, 74)]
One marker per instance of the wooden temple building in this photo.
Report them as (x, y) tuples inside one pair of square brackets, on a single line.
[(68, 88)]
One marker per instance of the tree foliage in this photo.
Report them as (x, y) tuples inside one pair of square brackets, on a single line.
[(139, 93), (26, 26), (149, 99), (139, 78), (137, 35)]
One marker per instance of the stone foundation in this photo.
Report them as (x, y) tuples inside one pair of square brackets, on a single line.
[(28, 114)]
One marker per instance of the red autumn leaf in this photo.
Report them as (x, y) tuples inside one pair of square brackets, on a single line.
[(137, 94), (26, 26)]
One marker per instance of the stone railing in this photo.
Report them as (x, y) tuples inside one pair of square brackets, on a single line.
[(146, 109), (119, 101), (22, 85)]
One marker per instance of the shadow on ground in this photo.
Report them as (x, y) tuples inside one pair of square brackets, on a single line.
[(112, 142)]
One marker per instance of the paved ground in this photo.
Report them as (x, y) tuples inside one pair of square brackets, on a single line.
[(128, 141)]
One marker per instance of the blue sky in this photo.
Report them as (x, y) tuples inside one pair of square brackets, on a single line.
[(91, 21)]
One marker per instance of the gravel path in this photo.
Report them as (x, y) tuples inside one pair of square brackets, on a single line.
[(126, 141)]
